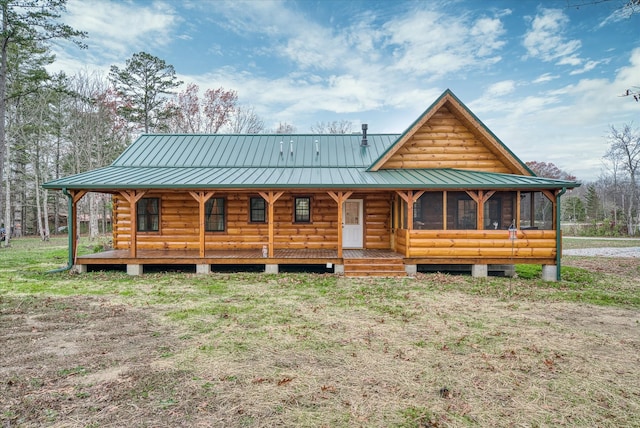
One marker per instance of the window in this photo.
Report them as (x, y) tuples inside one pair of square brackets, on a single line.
[(148, 215), (257, 210), (302, 210), (214, 215), (461, 211), (427, 211), (493, 213), (466, 214), (536, 211)]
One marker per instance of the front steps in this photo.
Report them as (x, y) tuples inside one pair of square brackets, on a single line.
[(380, 267)]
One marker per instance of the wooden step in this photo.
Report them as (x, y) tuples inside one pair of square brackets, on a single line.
[(380, 267)]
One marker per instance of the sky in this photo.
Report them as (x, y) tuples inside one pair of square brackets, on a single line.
[(546, 76)]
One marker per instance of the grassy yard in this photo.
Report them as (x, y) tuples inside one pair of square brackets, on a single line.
[(304, 350)]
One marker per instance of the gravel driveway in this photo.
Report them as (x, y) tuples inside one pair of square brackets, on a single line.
[(604, 252)]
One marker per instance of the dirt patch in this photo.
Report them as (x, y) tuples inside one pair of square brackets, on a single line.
[(443, 359), (64, 359)]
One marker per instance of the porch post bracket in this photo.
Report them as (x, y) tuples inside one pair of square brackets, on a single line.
[(133, 196), (340, 197), (201, 198), (271, 197)]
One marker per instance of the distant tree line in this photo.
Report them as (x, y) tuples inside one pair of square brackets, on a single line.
[(609, 205)]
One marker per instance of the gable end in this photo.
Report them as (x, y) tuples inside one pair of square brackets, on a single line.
[(448, 135)]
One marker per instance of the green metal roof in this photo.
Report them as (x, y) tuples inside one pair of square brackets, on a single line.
[(283, 161), (254, 150), (123, 177)]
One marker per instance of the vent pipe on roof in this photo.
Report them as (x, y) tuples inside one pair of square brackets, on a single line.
[(364, 142), (291, 146), (317, 148), (281, 143)]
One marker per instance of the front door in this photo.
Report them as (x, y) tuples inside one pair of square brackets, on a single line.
[(352, 223)]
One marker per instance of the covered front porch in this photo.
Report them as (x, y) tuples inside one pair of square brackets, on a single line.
[(353, 262)]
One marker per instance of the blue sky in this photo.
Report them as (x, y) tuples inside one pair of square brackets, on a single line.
[(545, 76)]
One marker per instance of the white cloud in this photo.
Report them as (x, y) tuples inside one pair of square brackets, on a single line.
[(433, 44), (498, 89), (546, 77), (589, 65), (118, 27), (545, 39)]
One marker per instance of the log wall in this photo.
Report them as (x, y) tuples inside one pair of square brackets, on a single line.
[(455, 245), (179, 223), (445, 142)]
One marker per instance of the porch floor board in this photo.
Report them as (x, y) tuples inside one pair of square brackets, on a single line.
[(281, 256)]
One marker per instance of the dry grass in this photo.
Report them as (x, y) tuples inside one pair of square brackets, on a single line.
[(317, 351)]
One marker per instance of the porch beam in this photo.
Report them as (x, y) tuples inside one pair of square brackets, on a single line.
[(271, 197), (133, 196), (201, 198)]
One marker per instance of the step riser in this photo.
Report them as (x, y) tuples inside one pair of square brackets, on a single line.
[(374, 267)]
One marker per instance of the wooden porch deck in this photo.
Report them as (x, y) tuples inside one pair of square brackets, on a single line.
[(281, 256)]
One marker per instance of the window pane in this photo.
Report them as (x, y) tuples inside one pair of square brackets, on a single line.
[(536, 211), (351, 212), (427, 211), (214, 215), (500, 210), (303, 210), (258, 210), (148, 218), (461, 211)]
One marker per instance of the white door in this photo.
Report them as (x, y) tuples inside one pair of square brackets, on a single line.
[(352, 223)]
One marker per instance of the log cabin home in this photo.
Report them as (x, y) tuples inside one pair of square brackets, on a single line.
[(446, 192)]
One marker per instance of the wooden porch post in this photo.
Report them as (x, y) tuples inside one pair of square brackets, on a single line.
[(201, 198), (340, 197), (133, 196), (271, 197), (517, 225), (410, 197), (552, 198), (76, 196), (477, 197), (483, 198), (444, 210)]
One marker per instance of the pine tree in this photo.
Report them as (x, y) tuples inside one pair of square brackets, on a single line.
[(143, 85)]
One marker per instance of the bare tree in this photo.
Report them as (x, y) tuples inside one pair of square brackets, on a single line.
[(624, 150), (211, 114), (246, 121), (634, 92), (219, 106), (23, 24), (335, 127), (285, 128), (95, 134)]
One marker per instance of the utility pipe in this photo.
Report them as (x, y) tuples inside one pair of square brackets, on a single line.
[(558, 234)]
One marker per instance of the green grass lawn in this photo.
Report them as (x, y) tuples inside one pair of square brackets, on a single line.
[(254, 350)]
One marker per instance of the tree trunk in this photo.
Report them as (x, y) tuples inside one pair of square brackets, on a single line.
[(93, 217), (41, 232), (45, 213), (3, 105), (7, 208)]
